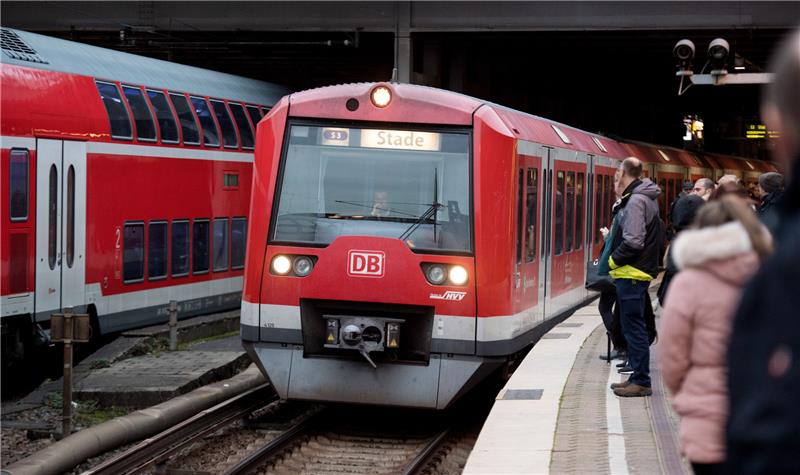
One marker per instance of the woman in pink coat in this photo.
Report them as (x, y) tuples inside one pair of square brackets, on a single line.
[(716, 258)]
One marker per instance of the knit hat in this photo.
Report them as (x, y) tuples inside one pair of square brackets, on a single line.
[(771, 182)]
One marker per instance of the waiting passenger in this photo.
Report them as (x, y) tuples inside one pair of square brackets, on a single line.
[(770, 190), (717, 257), (703, 188), (763, 432), (683, 214), (728, 179)]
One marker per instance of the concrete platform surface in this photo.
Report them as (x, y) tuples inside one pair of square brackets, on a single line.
[(577, 425)]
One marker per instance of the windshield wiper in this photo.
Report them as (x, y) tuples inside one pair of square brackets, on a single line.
[(362, 205), (432, 211)]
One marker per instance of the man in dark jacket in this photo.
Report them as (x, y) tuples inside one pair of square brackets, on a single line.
[(770, 187), (636, 242), (763, 432), (682, 216)]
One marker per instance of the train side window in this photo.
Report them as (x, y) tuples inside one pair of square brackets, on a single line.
[(245, 130), (558, 229), (520, 216), (209, 127), (180, 248), (200, 254), (229, 139), (598, 208), (70, 238), (663, 202), (609, 198), (220, 243), (189, 128), (570, 211), (164, 117), (145, 129), (157, 250), (238, 240), (117, 113), (579, 211), (18, 176), (532, 201), (255, 115), (52, 209), (133, 253)]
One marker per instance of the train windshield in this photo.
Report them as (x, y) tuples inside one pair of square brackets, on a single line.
[(405, 184)]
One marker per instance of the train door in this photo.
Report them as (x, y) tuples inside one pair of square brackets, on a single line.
[(545, 221), (670, 184), (527, 274), (60, 225), (603, 200)]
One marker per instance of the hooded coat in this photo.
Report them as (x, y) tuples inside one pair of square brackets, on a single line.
[(715, 264)]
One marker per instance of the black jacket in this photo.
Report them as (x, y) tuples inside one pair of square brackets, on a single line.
[(763, 432), (639, 233), (769, 211)]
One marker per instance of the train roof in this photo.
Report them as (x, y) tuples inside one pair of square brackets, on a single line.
[(31, 50)]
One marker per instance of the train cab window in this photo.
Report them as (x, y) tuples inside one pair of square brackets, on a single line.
[(210, 132), (520, 214), (180, 248), (229, 139), (579, 211), (570, 211), (532, 176), (238, 240), (245, 130), (164, 117), (133, 253), (18, 177), (598, 209), (220, 243), (145, 129), (189, 128), (255, 115), (200, 255), (157, 250), (558, 229), (117, 113)]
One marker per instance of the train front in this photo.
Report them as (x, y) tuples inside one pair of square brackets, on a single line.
[(360, 282)]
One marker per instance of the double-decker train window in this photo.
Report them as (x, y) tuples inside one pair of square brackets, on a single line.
[(570, 211), (189, 127), (157, 250), (229, 139), (238, 240), (255, 116), (18, 181), (200, 252), (579, 211), (220, 243), (558, 228), (209, 127), (133, 253), (532, 176), (117, 113), (145, 129), (164, 117), (245, 130), (180, 248)]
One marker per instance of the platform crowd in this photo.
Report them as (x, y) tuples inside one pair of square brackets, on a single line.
[(729, 337)]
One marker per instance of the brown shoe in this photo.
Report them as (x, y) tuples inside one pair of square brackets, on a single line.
[(621, 385), (633, 390)]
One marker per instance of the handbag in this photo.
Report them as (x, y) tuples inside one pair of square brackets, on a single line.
[(594, 281)]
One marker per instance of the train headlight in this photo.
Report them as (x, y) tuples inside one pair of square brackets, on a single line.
[(436, 274), (281, 265), (302, 266), (458, 275), (381, 96)]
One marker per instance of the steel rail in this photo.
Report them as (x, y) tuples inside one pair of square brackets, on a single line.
[(272, 448), (160, 447), (424, 457)]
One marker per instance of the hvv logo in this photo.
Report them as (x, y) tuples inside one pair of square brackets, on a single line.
[(366, 263)]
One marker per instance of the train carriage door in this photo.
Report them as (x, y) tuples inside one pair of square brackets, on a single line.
[(546, 180), (528, 228), (60, 225)]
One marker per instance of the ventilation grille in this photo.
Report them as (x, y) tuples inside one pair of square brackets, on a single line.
[(14, 47)]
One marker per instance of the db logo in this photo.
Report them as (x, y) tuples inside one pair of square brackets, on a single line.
[(366, 263)]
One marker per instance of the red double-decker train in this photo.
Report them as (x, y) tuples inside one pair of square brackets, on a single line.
[(125, 184), (405, 242)]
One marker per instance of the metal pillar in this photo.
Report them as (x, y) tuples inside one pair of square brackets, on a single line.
[(402, 42)]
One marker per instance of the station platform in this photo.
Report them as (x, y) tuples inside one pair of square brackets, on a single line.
[(558, 415)]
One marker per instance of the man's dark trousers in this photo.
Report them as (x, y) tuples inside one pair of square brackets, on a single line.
[(630, 298)]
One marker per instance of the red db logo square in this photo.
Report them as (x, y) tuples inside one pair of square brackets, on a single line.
[(366, 263)]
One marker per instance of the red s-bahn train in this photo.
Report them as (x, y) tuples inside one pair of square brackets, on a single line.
[(125, 184), (405, 241)]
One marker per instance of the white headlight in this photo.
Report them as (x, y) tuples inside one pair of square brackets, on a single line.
[(436, 274), (458, 275), (281, 264), (381, 96), (302, 266)]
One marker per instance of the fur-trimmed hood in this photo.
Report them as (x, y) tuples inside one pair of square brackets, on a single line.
[(724, 250)]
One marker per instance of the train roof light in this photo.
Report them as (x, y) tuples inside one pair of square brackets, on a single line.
[(381, 96)]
